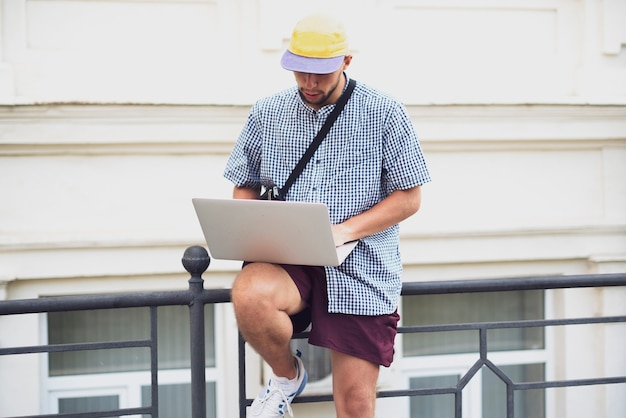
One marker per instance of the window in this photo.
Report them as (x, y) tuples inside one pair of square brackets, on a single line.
[(96, 380), (440, 406), (174, 400), (529, 403), (440, 359), (472, 307)]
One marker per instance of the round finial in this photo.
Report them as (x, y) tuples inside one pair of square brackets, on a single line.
[(196, 260)]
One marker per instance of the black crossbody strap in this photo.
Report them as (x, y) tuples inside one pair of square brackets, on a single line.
[(319, 137)]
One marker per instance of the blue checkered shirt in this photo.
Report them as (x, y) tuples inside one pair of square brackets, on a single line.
[(370, 151)]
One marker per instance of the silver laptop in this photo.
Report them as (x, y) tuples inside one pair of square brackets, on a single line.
[(269, 231)]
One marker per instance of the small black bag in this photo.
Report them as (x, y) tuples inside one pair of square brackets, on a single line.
[(274, 193), (270, 193)]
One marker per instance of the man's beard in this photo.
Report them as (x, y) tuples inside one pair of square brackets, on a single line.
[(322, 101)]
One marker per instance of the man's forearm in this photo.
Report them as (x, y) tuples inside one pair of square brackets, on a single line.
[(398, 206)]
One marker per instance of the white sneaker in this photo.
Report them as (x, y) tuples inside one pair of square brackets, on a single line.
[(274, 401)]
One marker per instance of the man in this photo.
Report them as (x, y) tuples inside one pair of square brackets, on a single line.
[(368, 171)]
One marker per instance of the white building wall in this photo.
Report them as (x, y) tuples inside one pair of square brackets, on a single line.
[(114, 114)]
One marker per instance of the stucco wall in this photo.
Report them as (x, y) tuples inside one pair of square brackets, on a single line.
[(114, 114)]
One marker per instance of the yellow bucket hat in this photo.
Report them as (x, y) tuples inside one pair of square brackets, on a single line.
[(318, 46)]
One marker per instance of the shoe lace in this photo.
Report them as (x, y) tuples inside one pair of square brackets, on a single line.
[(272, 402)]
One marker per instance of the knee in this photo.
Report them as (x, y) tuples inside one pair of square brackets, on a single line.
[(252, 288), (356, 402), (244, 291)]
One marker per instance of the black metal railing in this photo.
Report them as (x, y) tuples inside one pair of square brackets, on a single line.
[(481, 286), (196, 261)]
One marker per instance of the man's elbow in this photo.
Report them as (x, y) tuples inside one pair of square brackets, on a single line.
[(245, 193), (414, 200)]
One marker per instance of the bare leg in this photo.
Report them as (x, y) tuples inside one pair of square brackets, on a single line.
[(264, 296), (354, 386)]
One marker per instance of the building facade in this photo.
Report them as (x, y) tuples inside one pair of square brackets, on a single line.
[(114, 114)]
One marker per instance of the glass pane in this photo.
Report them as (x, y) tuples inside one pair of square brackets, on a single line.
[(515, 339), (99, 361), (174, 340), (173, 337), (316, 359), (527, 403), (467, 308), (431, 343), (175, 400), (98, 325), (124, 324), (88, 404), (435, 406)]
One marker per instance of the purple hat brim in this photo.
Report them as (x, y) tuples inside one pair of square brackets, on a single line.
[(298, 63)]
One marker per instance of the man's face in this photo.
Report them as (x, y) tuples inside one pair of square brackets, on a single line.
[(318, 90)]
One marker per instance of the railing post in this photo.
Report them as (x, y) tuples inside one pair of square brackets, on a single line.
[(196, 260), (242, 377)]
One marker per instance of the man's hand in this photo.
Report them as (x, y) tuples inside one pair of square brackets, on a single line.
[(340, 234)]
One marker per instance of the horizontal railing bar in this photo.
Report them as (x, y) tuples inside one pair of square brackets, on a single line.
[(415, 392), (214, 296), (453, 390), (125, 300), (100, 414), (511, 324), (568, 383), (312, 398), (381, 394), (513, 283), (57, 348), (131, 300), (93, 302)]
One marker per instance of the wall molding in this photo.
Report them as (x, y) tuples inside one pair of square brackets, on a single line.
[(73, 129)]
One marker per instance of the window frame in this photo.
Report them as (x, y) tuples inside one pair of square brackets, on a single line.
[(407, 367), (53, 388)]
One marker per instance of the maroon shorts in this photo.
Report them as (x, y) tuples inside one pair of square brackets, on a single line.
[(367, 337)]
